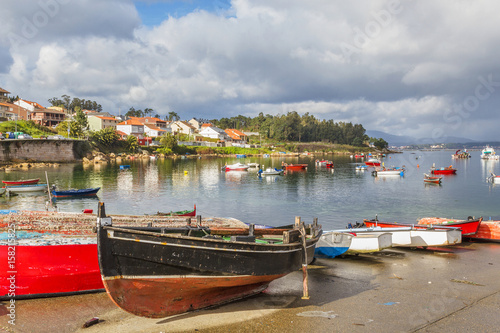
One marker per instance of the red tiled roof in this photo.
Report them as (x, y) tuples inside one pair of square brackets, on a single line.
[(132, 121), (206, 125), (4, 91)]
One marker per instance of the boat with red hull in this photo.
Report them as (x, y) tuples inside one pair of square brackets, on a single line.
[(49, 270), (21, 182), (489, 231), (158, 272), (443, 171), (189, 212), (373, 162), (294, 167), (468, 227)]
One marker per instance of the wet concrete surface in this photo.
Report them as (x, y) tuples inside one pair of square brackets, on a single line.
[(453, 289)]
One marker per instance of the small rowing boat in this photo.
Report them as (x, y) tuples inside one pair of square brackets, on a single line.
[(20, 182), (189, 212)]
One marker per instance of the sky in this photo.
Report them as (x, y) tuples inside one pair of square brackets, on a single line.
[(427, 69)]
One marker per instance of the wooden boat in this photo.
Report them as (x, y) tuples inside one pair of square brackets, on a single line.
[(271, 172), (373, 162), (488, 231), (369, 243), (86, 192), (20, 182), (332, 244), (414, 237), (468, 227), (443, 171), (432, 179), (294, 167), (158, 272), (61, 268), (26, 188), (189, 212), (235, 167)]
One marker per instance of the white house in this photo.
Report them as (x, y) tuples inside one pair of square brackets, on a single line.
[(213, 132), (131, 127), (154, 131), (182, 127)]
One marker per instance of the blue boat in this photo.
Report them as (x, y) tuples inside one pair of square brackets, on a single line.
[(332, 244), (86, 192), (124, 167)]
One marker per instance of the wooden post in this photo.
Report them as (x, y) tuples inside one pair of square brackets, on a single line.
[(304, 266)]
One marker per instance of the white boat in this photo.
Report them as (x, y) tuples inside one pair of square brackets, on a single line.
[(26, 188), (253, 165), (494, 179), (368, 243), (415, 237), (389, 172), (235, 167), (488, 153), (332, 244), (271, 172), (361, 167)]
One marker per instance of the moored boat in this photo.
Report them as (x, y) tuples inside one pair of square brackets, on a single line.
[(271, 172), (16, 189), (389, 172), (450, 170), (158, 272), (20, 182), (494, 179), (373, 162), (324, 163), (332, 244), (235, 167), (86, 192), (488, 153), (461, 155), (432, 179), (189, 212), (293, 167)]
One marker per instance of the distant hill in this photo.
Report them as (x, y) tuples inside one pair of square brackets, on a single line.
[(399, 140)]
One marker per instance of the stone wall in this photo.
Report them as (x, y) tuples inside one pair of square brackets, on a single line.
[(40, 150)]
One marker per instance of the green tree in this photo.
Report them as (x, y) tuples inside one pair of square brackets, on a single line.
[(169, 141), (106, 137), (81, 119), (173, 116), (132, 144)]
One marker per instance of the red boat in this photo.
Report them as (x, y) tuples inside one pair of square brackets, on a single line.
[(468, 227), (444, 171), (21, 182), (294, 166), (49, 270), (488, 231)]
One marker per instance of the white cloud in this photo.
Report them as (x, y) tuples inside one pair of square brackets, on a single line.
[(393, 66)]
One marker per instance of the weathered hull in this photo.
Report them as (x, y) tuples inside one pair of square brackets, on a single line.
[(162, 296), (50, 270), (154, 274), (75, 193), (488, 231), (26, 188)]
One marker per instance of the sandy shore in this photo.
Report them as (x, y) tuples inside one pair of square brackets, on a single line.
[(454, 290)]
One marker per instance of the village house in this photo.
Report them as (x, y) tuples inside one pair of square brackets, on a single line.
[(212, 132), (183, 127), (196, 123), (47, 117), (154, 131), (236, 135), (97, 123), (28, 105), (4, 95), (131, 127), (161, 124)]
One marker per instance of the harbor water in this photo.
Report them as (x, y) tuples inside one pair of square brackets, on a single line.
[(335, 196)]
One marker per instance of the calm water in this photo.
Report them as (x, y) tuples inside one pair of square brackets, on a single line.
[(336, 197)]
